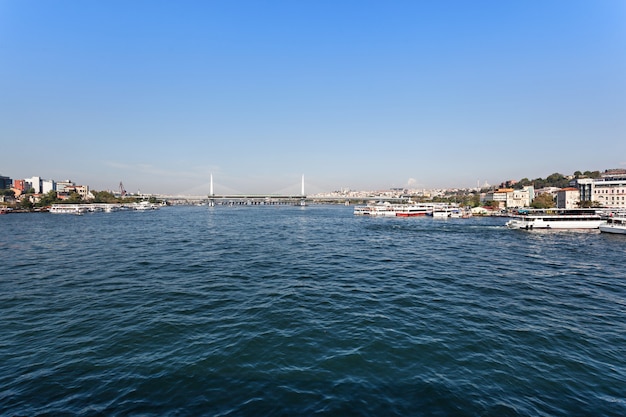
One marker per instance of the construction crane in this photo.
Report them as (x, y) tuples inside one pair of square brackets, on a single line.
[(122, 190)]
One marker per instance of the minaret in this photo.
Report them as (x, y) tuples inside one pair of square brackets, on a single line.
[(211, 187), (302, 191)]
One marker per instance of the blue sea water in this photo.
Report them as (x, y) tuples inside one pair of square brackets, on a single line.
[(282, 311)]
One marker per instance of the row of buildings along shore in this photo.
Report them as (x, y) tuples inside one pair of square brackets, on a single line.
[(609, 190), (35, 187)]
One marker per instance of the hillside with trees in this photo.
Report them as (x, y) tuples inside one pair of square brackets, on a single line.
[(555, 180)]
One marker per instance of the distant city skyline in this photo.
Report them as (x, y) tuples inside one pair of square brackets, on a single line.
[(360, 95)]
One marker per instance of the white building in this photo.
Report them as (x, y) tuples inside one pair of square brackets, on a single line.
[(568, 198), (510, 198), (608, 191), (500, 196), (34, 183), (520, 198), (62, 185), (47, 186)]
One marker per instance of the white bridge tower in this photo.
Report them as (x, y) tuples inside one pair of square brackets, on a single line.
[(211, 193)]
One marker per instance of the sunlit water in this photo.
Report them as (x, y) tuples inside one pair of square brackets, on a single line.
[(232, 311)]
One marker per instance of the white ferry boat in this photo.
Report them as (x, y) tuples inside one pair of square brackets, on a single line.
[(614, 225), (379, 210), (555, 219), (393, 210), (414, 210), (68, 209), (144, 206), (447, 213)]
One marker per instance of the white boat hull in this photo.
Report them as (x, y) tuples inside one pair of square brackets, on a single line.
[(615, 225), (392, 210), (556, 219), (613, 229), (560, 225), (554, 224)]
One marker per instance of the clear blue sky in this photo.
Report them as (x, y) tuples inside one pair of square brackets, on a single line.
[(359, 94)]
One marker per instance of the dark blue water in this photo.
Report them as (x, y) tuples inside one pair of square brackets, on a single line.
[(282, 311)]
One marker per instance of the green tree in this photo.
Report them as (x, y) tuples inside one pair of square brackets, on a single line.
[(542, 201), (492, 203), (104, 197), (589, 204), (472, 200), (26, 204), (74, 198), (588, 174), (48, 199)]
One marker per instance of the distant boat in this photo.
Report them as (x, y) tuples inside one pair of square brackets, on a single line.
[(68, 209), (414, 210), (393, 210), (144, 206), (376, 210), (448, 212)]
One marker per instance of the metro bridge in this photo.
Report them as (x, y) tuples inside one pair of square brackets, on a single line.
[(257, 199), (279, 199)]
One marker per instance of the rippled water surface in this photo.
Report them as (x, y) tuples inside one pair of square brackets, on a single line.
[(230, 311)]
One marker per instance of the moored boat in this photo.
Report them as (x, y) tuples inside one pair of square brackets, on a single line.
[(144, 206), (393, 210), (414, 210), (447, 213), (532, 219), (68, 209), (615, 225), (376, 210)]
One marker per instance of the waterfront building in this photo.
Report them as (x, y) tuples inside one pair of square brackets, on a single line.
[(499, 195), (511, 198), (62, 185), (19, 185), (47, 186), (65, 191), (5, 182), (585, 188), (568, 198), (34, 183), (547, 190), (520, 198), (608, 191)]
